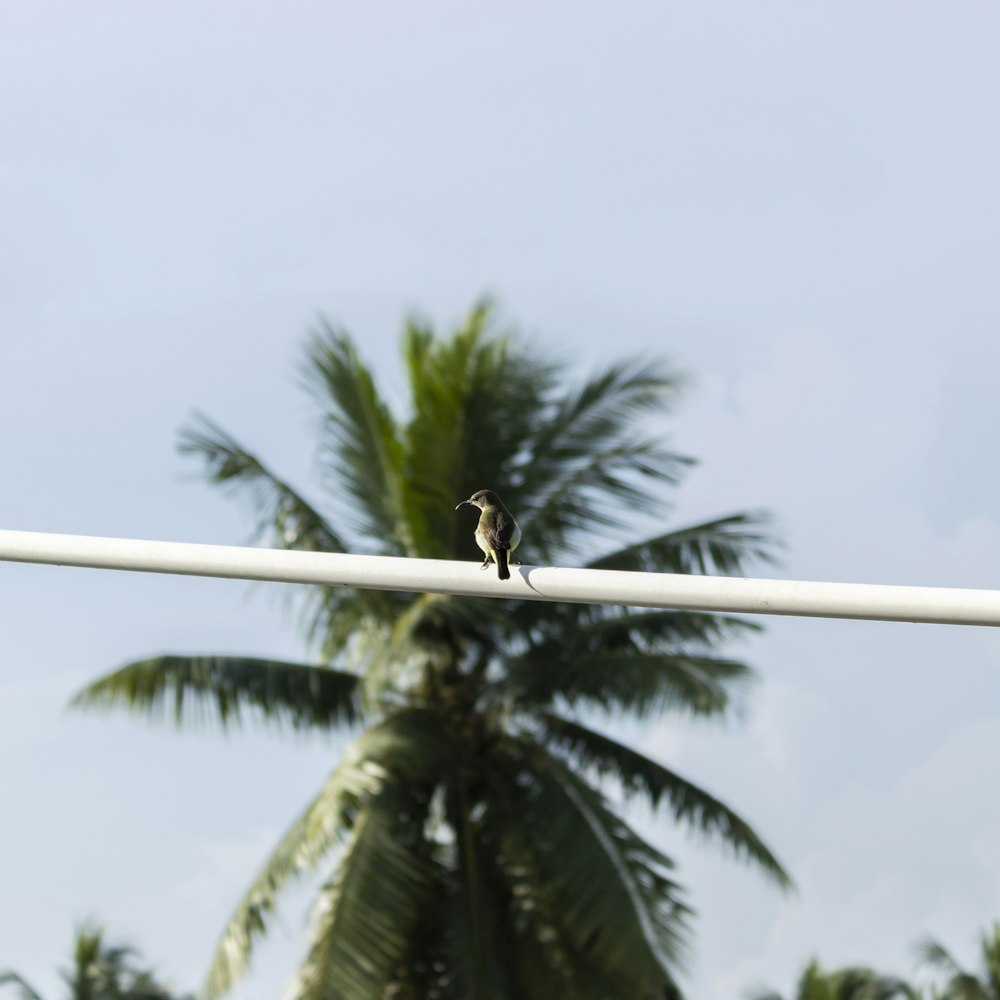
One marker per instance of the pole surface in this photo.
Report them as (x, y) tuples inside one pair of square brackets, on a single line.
[(533, 583)]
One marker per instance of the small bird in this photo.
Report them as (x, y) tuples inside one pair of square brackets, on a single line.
[(497, 533)]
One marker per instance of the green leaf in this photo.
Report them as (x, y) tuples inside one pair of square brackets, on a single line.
[(284, 517), (644, 684), (292, 522), (475, 397), (626, 629), (460, 949), (585, 466), (539, 959), (637, 773), (361, 451), (24, 989), (410, 751), (228, 687), (961, 984), (581, 628), (480, 943), (367, 912), (608, 889), (850, 983), (725, 545), (990, 947), (762, 993)]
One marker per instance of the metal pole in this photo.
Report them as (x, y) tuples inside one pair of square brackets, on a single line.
[(532, 583)]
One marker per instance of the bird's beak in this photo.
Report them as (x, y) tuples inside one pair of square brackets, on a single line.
[(462, 504)]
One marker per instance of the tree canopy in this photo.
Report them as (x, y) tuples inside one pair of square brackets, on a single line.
[(468, 844)]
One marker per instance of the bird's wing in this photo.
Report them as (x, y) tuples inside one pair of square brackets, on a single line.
[(500, 531)]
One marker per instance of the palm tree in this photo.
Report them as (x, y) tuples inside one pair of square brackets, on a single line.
[(852, 983), (469, 851), (99, 972), (962, 985)]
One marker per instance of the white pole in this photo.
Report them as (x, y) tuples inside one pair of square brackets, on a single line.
[(533, 583)]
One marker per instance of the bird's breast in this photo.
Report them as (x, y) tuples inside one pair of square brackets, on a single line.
[(481, 541)]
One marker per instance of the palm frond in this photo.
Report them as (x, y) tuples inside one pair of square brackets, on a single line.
[(585, 467), (337, 618), (482, 966), (113, 971), (961, 984), (475, 938), (409, 752), (542, 960), (989, 945), (725, 545), (542, 970), (528, 955), (762, 993), (228, 687), (934, 954), (637, 773), (628, 629), (881, 987), (293, 523), (582, 511), (595, 628), (361, 451), (601, 410), (475, 397), (860, 983), (434, 435), (966, 987), (21, 985), (615, 901), (643, 684), (367, 912), (849, 983)]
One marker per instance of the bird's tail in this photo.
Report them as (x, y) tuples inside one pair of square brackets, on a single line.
[(501, 559)]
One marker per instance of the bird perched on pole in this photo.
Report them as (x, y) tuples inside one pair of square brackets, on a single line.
[(497, 533)]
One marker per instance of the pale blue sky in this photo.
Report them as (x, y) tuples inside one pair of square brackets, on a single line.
[(796, 202)]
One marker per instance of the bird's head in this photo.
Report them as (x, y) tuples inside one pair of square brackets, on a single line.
[(481, 499)]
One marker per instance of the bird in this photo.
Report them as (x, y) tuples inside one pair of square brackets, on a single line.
[(497, 533)]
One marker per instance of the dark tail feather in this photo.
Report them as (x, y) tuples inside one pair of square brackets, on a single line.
[(501, 559)]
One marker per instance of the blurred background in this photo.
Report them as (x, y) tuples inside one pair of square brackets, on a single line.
[(795, 203)]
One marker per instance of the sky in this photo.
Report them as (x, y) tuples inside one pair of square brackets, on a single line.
[(796, 203)]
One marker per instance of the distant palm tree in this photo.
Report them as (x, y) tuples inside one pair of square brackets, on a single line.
[(470, 852), (99, 972), (960, 984), (852, 983)]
